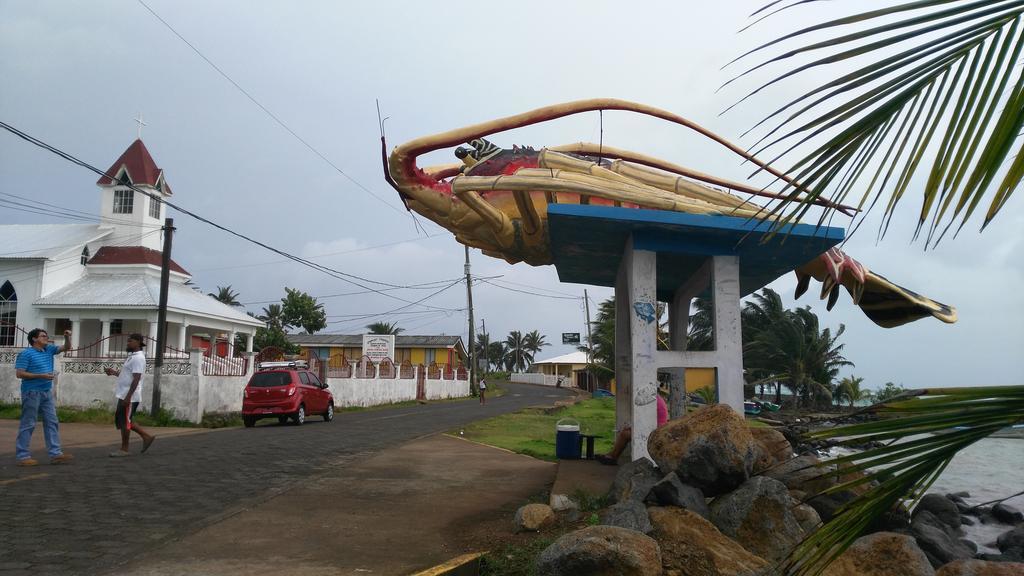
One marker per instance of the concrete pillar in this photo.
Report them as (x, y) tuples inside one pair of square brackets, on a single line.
[(636, 312), (76, 336), (248, 342), (231, 343), (104, 337), (153, 332), (181, 334), (727, 331)]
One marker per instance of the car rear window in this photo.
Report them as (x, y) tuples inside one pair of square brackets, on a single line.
[(266, 379)]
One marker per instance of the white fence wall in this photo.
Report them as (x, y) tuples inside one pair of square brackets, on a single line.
[(371, 391), (441, 389), (535, 378)]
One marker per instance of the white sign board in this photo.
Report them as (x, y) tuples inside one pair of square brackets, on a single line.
[(379, 346)]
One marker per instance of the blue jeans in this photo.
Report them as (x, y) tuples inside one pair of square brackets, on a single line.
[(31, 404)]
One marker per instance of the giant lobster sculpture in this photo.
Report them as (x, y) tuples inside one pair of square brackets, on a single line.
[(496, 199)]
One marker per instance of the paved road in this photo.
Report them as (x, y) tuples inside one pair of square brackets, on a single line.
[(90, 517)]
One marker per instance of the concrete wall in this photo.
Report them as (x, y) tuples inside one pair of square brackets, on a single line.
[(440, 389), (223, 393), (371, 391), (535, 378)]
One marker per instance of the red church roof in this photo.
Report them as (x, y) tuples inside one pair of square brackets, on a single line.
[(132, 255), (141, 167)]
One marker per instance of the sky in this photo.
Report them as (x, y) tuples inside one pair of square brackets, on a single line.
[(75, 74)]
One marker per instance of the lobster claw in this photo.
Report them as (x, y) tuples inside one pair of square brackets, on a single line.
[(833, 297), (803, 282)]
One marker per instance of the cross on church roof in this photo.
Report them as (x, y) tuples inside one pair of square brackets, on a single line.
[(138, 120)]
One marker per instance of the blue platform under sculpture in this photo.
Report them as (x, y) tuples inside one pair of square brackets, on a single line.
[(587, 244)]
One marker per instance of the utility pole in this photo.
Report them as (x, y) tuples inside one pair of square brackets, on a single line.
[(472, 328), (590, 344), (487, 348), (161, 328)]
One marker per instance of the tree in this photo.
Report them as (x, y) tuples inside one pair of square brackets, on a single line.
[(299, 309), (273, 316), (888, 392), (849, 390), (273, 336), (926, 93), (384, 328), (495, 353), (602, 349), (517, 356), (534, 342), (226, 295)]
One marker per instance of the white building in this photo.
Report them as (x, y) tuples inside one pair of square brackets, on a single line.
[(103, 280)]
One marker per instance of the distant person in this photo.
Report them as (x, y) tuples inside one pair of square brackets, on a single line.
[(129, 394), (483, 391), (626, 434), (34, 366)]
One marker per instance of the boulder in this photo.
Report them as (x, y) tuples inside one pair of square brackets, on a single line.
[(1007, 514), (966, 521), (827, 505), (942, 507), (773, 448), (881, 554), (710, 448), (670, 491), (634, 481), (807, 518), (981, 568), (692, 546), (601, 551), (628, 514), (758, 515), (803, 473), (937, 540), (533, 517), (1011, 539)]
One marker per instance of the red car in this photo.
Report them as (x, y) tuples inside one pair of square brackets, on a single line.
[(286, 390)]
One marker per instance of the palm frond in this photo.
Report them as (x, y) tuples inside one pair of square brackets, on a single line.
[(902, 470), (934, 103)]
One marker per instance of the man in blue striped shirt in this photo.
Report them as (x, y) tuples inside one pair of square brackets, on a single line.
[(34, 367)]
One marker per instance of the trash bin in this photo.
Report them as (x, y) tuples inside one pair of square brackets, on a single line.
[(567, 439)]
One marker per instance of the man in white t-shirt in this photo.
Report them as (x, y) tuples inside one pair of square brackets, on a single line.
[(483, 391), (129, 394)]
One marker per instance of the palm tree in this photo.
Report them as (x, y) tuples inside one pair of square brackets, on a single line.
[(384, 328), (534, 342), (226, 295), (602, 348), (929, 89), (480, 349), (702, 322), (273, 316), (517, 356), (496, 353), (849, 389)]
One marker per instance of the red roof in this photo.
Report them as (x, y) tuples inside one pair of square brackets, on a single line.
[(132, 255), (141, 167)]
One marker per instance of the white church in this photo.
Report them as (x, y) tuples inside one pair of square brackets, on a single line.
[(102, 281)]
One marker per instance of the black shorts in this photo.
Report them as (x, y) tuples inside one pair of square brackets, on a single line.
[(119, 413)]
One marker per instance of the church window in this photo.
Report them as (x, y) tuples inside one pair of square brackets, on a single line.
[(8, 315), (154, 207), (123, 200), (85, 255)]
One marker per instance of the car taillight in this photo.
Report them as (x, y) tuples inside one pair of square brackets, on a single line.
[(291, 390), (245, 393)]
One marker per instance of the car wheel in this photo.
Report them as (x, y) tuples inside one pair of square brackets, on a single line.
[(329, 415), (282, 419), (299, 416), (249, 421)]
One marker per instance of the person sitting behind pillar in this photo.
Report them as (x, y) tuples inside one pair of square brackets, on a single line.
[(626, 434)]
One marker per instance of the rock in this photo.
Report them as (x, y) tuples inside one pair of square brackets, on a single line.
[(881, 554), (533, 517), (560, 502), (634, 481), (670, 491), (601, 551), (966, 521), (692, 546), (710, 448), (969, 544), (943, 508), (1011, 539), (807, 518), (981, 568), (954, 496), (1007, 514), (628, 514), (962, 506), (803, 473), (773, 448), (826, 505), (934, 538), (758, 515)]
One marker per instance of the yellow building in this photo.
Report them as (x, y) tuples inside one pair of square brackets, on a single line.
[(443, 350), (696, 378)]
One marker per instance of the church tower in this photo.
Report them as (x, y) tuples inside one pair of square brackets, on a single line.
[(136, 218)]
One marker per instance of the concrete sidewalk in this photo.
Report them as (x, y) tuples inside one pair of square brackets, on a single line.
[(402, 510), (75, 435)]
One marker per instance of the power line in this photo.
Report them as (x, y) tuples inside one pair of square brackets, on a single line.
[(427, 297), (424, 286), (507, 281), (267, 111), (71, 211), (531, 293), (324, 269)]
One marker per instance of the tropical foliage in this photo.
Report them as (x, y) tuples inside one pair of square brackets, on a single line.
[(300, 310), (920, 433), (226, 295), (849, 390), (927, 96), (888, 392), (384, 328)]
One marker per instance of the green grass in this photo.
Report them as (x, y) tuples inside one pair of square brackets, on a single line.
[(515, 559), (532, 431), (105, 415)]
